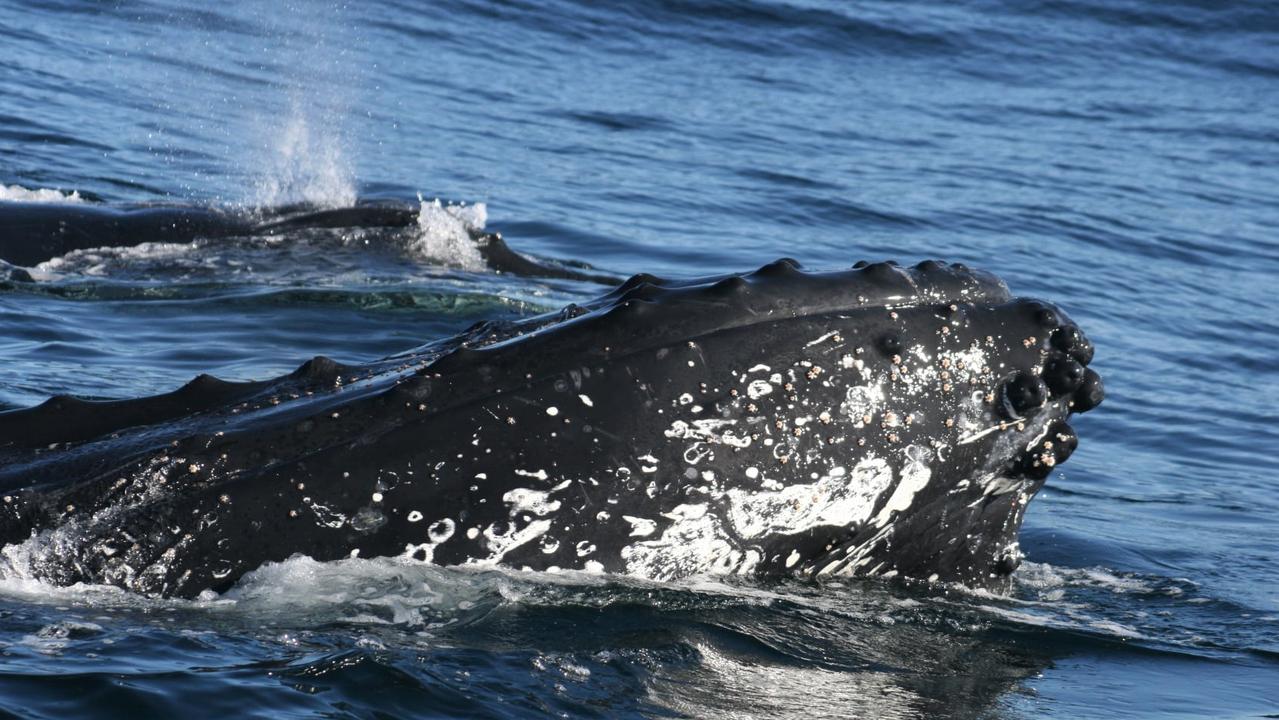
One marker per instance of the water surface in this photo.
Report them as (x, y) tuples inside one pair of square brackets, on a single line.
[(1119, 158)]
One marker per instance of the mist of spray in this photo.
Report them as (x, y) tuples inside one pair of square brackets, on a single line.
[(300, 152)]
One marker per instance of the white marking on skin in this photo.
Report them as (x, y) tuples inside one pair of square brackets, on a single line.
[(640, 527), (758, 389), (914, 478), (327, 516), (752, 472), (540, 474), (500, 545), (472, 533), (593, 566), (694, 453), (760, 368), (652, 467), (414, 516), (693, 543), (552, 411), (713, 430), (837, 498), (441, 530), (525, 500), (999, 485), (862, 400), (586, 400), (823, 338), (792, 558)]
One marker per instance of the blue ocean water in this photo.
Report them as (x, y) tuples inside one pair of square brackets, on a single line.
[(1119, 158)]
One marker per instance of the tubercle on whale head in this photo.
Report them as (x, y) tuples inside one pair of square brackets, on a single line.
[(672, 309)]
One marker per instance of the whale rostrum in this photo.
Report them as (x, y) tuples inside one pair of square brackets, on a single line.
[(877, 421)]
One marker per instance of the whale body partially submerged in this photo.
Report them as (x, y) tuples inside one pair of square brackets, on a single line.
[(877, 421), (35, 232)]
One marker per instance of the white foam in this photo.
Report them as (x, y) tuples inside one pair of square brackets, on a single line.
[(444, 234), (17, 193), (1044, 577), (105, 261)]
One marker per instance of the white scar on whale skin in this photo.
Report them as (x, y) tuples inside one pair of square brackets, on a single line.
[(697, 540), (712, 430), (915, 476), (501, 544), (694, 543), (439, 533), (640, 527), (536, 502), (836, 498)]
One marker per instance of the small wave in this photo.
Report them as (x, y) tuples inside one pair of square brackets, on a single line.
[(17, 193), (380, 591), (1074, 622), (1046, 578)]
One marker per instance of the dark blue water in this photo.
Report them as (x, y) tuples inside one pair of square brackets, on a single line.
[(1120, 158)]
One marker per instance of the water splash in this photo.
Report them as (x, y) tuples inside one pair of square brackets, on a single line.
[(303, 152), (444, 234), (306, 165)]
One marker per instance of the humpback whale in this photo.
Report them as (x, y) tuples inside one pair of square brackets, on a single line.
[(881, 420), (33, 232)]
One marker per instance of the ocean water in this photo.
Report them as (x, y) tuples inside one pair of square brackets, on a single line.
[(1120, 158)]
